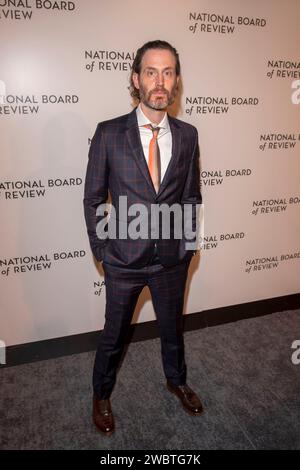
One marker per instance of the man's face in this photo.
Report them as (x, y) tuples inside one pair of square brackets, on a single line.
[(157, 81)]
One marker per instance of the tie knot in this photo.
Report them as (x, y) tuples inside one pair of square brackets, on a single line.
[(155, 130)]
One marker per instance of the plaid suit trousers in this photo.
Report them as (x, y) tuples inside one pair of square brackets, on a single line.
[(123, 287)]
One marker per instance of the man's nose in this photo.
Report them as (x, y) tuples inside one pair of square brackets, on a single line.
[(160, 79)]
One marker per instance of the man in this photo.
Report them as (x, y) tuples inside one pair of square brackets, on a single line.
[(151, 159)]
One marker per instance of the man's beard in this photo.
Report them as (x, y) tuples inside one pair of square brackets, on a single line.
[(157, 103)]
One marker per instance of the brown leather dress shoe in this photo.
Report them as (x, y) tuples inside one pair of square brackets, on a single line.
[(102, 416), (189, 400)]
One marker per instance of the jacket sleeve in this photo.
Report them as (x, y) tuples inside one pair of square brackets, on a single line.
[(96, 190), (192, 194)]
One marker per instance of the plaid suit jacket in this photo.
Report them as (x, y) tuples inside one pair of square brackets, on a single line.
[(116, 164)]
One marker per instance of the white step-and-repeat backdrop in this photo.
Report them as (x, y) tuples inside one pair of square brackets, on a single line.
[(65, 66)]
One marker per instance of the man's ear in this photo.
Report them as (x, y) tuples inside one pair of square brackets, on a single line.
[(135, 79)]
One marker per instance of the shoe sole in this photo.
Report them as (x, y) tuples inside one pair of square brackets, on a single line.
[(189, 412)]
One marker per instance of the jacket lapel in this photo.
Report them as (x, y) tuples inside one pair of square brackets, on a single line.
[(134, 139), (176, 149)]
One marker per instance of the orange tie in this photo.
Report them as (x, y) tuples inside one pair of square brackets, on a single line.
[(154, 157)]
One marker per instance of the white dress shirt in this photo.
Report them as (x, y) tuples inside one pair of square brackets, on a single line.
[(164, 138)]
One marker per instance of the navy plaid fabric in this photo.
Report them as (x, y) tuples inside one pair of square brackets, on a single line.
[(123, 287), (117, 165)]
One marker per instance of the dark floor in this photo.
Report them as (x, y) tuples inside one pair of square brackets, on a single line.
[(242, 371)]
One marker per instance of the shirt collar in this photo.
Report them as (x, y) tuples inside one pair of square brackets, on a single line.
[(142, 119)]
